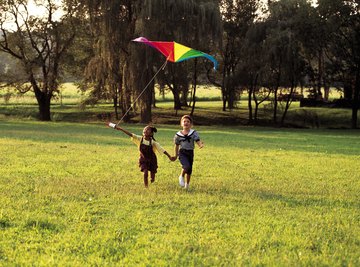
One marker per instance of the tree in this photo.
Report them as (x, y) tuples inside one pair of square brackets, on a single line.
[(253, 68), (119, 65), (286, 63), (39, 43), (193, 23), (112, 26), (343, 21), (237, 17)]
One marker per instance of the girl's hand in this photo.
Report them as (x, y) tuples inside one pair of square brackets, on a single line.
[(200, 144)]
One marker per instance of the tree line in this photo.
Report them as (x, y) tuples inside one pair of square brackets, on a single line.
[(263, 50)]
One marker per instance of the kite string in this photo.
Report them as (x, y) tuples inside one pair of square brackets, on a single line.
[(131, 106)]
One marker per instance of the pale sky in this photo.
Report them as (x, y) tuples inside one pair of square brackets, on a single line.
[(38, 10), (34, 10)]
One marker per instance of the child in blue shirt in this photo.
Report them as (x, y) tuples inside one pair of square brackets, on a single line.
[(184, 149)]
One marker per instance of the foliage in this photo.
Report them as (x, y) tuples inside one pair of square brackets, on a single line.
[(38, 43), (293, 44)]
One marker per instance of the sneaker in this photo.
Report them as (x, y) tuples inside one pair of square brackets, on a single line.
[(187, 186), (181, 181)]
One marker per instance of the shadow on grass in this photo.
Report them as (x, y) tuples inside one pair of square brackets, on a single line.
[(270, 197), (306, 201), (238, 138)]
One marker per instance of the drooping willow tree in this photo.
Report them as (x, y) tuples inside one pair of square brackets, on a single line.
[(121, 69), (195, 24), (111, 25)]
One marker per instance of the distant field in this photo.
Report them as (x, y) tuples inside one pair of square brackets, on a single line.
[(67, 107), (72, 195), (70, 94)]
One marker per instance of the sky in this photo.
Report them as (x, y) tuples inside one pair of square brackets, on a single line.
[(39, 11), (34, 10)]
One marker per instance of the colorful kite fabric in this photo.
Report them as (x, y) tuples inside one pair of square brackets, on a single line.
[(176, 52)]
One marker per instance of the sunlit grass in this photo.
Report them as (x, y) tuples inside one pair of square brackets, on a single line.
[(72, 194)]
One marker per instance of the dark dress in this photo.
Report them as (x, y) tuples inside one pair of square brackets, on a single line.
[(147, 159)]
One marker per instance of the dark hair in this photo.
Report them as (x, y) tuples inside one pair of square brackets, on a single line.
[(153, 130)]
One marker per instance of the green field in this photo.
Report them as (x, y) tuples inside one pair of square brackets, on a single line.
[(72, 195), (68, 107)]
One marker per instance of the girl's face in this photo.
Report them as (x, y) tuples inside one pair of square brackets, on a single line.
[(147, 132), (186, 123)]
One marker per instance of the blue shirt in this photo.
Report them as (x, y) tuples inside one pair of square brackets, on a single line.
[(186, 141)]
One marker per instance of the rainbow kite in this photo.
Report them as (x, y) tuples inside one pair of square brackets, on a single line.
[(175, 52)]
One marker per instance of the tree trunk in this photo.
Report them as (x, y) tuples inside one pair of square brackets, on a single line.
[(356, 101), (223, 88), (354, 117), (275, 105), (116, 90), (194, 88), (231, 97), (44, 101), (257, 103), (347, 91), (153, 97), (177, 102), (320, 75), (250, 105), (224, 101), (288, 101)]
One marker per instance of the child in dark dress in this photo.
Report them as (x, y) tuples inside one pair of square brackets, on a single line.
[(147, 146)]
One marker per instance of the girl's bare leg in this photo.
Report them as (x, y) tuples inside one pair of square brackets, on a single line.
[(146, 181), (152, 177)]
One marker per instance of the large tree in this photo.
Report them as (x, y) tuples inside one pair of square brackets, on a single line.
[(112, 27), (283, 58), (195, 24), (38, 42), (237, 17), (343, 22)]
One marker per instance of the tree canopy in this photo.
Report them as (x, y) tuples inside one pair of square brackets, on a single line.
[(263, 51)]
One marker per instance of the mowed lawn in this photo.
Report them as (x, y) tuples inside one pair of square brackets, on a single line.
[(71, 194)]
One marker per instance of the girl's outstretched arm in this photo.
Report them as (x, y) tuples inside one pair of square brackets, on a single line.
[(113, 125), (169, 156)]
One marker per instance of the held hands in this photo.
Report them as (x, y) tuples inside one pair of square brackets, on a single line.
[(172, 158)]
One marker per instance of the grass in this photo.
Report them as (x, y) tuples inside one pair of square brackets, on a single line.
[(72, 195)]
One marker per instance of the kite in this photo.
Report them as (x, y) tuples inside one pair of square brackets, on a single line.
[(175, 52)]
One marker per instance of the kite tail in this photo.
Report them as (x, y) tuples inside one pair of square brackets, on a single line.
[(131, 106)]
